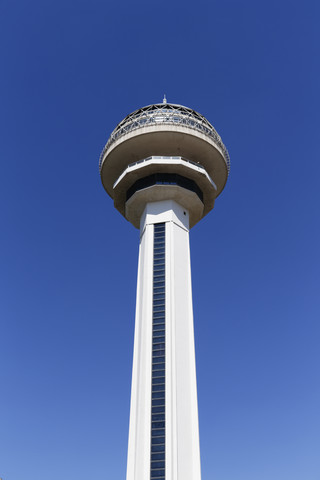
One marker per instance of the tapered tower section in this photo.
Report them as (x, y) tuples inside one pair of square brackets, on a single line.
[(164, 165)]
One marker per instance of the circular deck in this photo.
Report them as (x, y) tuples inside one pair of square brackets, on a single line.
[(165, 130)]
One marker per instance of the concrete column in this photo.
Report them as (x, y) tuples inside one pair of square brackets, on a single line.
[(182, 460)]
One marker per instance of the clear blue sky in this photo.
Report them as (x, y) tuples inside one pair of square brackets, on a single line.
[(70, 71)]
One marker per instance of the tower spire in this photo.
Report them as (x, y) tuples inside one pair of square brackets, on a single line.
[(164, 99)]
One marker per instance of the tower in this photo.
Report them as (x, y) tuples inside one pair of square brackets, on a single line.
[(164, 165)]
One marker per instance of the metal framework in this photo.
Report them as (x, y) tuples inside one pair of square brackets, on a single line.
[(166, 114)]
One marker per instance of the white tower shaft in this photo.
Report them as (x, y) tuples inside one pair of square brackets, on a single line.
[(164, 433)]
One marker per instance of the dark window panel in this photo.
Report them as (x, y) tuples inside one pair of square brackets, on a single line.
[(159, 291), (159, 249), (159, 255), (158, 350), (158, 339), (157, 464), (157, 473), (159, 271), (158, 332), (158, 263), (158, 441), (158, 328), (158, 409), (157, 456), (159, 300), (158, 425), (158, 388), (157, 448), (159, 347), (158, 381), (160, 432), (157, 402), (159, 308), (159, 359), (158, 288), (164, 179), (158, 317), (157, 416), (158, 366), (159, 323), (158, 353), (158, 394), (159, 274)]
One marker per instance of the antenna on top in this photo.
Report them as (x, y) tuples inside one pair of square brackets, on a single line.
[(164, 99)]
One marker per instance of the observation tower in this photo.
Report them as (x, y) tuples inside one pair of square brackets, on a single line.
[(164, 165)]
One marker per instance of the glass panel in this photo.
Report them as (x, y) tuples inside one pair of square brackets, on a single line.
[(159, 273), (157, 456), (158, 328), (158, 432), (159, 270), (157, 402), (159, 333), (160, 359), (158, 346), (159, 303), (158, 317), (158, 366), (159, 242), (158, 262), (158, 409), (158, 388), (157, 473), (158, 309), (159, 394), (159, 248), (157, 440), (159, 291), (158, 380), (157, 464), (159, 324), (158, 353), (158, 424), (158, 340), (158, 254), (159, 299), (158, 448), (157, 416)]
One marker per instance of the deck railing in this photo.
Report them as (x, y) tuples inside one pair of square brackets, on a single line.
[(166, 114)]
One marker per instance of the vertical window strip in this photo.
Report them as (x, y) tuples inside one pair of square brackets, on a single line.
[(157, 465)]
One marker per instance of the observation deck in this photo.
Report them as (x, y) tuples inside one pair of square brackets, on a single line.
[(165, 131)]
